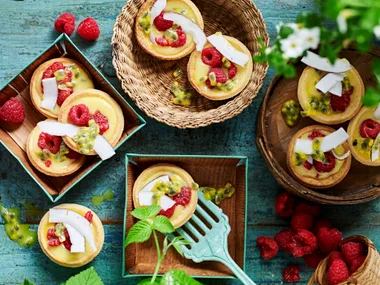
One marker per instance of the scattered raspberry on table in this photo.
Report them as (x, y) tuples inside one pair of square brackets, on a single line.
[(65, 23), (89, 29)]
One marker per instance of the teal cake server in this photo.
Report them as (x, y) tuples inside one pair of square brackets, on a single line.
[(212, 245)]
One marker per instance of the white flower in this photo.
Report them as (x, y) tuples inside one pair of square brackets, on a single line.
[(376, 31), (311, 37), (293, 46), (343, 16), (268, 50)]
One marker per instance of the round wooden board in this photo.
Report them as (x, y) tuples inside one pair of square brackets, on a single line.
[(362, 183)]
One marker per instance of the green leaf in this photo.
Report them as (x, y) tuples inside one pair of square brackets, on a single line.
[(86, 277), (178, 277), (163, 225), (140, 232), (309, 20), (144, 213), (148, 282), (285, 31), (178, 248), (27, 282), (371, 97)]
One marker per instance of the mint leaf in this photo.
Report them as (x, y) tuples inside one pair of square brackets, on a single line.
[(27, 282), (371, 97), (148, 282), (86, 277), (285, 31), (178, 277), (140, 232), (163, 225), (144, 213)]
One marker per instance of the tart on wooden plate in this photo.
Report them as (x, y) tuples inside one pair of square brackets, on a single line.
[(169, 186), (71, 235), (167, 39), (364, 139), (55, 80), (318, 156)]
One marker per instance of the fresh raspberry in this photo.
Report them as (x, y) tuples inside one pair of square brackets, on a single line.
[(51, 233), (291, 274), (49, 72), (302, 221), (212, 57), (161, 41), (54, 241), (89, 29), (183, 197), (72, 154), (169, 212), (308, 208), (348, 91), (65, 23), (325, 167), (369, 129), (48, 163), (284, 240), (338, 272), (181, 39), (312, 260), (352, 250), (285, 204), (339, 104), (219, 73), (49, 142), (89, 215), (329, 239), (79, 115), (268, 247), (307, 165), (322, 224), (315, 134), (305, 243), (63, 94), (102, 121), (66, 233), (12, 111), (162, 24), (67, 244), (232, 70), (334, 256), (356, 263)]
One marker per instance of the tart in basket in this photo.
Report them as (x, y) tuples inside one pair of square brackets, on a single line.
[(48, 94), (50, 155), (364, 139), (318, 156), (162, 38), (71, 235), (170, 187)]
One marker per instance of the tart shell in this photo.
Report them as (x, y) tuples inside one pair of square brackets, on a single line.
[(313, 182)]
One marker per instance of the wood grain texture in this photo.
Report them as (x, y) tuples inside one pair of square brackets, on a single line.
[(26, 31)]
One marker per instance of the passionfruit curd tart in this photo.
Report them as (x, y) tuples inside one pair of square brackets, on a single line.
[(54, 81), (319, 156), (71, 235), (169, 186)]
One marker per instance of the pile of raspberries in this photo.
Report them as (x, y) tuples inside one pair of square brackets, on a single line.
[(313, 239)]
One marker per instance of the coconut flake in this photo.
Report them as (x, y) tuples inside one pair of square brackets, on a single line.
[(375, 149), (341, 157), (334, 139), (58, 129), (321, 63), (50, 95), (310, 159), (145, 198), (337, 89), (376, 114), (328, 82), (303, 146), (78, 243), (188, 26), (103, 148), (227, 50), (166, 202), (157, 8)]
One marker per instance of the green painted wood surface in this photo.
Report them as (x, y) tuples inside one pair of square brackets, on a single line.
[(26, 30)]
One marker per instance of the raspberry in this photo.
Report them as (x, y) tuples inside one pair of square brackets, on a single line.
[(79, 115), (63, 94), (232, 70), (325, 167), (348, 91), (307, 208), (219, 73), (305, 243), (352, 250), (54, 241), (49, 142), (312, 260), (302, 221), (89, 29), (183, 197), (51, 233), (161, 41), (356, 263), (339, 104), (181, 39), (329, 239), (102, 121), (49, 72), (268, 247), (72, 154), (315, 134), (334, 256), (88, 216), (162, 24), (285, 205), (291, 274), (284, 240), (66, 233), (65, 23), (48, 163), (322, 224), (12, 111), (338, 272), (67, 244), (369, 129), (212, 57), (307, 165), (169, 212)]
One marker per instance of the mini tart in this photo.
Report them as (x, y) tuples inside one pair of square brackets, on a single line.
[(95, 100), (82, 81), (182, 213), (167, 52), (307, 90), (60, 165), (360, 147), (197, 70), (59, 254), (312, 178)]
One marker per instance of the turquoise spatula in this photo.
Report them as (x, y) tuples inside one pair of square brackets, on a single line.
[(213, 245)]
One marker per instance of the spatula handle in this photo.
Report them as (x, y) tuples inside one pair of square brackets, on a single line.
[(240, 274)]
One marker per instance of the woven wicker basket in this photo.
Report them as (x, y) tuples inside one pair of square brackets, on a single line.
[(147, 80), (367, 274)]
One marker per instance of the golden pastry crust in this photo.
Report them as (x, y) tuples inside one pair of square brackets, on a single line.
[(314, 182), (353, 129), (80, 258), (35, 85), (31, 146), (145, 42), (196, 58), (335, 118), (162, 169), (116, 127)]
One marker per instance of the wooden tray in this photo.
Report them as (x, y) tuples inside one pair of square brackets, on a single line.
[(14, 138), (140, 259), (362, 183)]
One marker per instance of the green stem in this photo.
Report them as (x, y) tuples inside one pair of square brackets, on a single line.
[(159, 257)]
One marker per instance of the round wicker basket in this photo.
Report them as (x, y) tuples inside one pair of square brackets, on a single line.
[(367, 274), (147, 80)]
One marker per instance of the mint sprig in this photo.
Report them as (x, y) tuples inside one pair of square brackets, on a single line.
[(27, 282), (86, 277)]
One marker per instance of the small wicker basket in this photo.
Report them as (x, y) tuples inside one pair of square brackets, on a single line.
[(147, 80), (367, 274)]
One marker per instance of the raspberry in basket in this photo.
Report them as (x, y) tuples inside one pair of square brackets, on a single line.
[(12, 111), (352, 250), (338, 272)]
